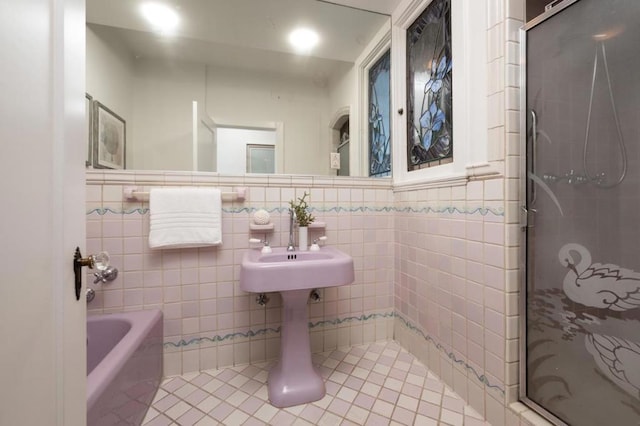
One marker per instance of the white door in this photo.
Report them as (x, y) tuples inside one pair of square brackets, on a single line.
[(42, 136)]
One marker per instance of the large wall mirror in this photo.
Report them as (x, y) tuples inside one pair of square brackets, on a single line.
[(227, 65)]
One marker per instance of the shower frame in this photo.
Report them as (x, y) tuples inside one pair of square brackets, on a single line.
[(527, 212)]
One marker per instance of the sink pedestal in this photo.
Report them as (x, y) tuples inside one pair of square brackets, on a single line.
[(294, 380)]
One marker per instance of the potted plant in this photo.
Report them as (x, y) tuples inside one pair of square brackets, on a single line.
[(303, 219)]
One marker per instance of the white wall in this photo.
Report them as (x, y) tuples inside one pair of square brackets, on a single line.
[(163, 98), (245, 97), (232, 147), (109, 75)]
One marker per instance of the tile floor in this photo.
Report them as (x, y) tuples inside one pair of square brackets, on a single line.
[(376, 384)]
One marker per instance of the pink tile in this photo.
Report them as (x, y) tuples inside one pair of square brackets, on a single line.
[(429, 410), (94, 229), (190, 292), (201, 380), (312, 413), (196, 397), (225, 321), (403, 416), (189, 276), (189, 258), (494, 233), (345, 368), (172, 294), (332, 388), (132, 228), (283, 418), (398, 374), (221, 411), (152, 278), (133, 297), (152, 296), (225, 305), (251, 405), (111, 229), (208, 323), (494, 255), (112, 245), (377, 420), (453, 404), (112, 298), (376, 378), (132, 245), (388, 395), (354, 383), (412, 390), (167, 402), (190, 309), (339, 407), (494, 321), (208, 275), (208, 307), (365, 401), (190, 417), (160, 420), (132, 262)]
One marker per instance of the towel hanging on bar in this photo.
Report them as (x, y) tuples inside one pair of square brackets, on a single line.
[(185, 217)]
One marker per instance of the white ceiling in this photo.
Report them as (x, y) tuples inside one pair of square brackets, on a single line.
[(256, 25), (380, 6)]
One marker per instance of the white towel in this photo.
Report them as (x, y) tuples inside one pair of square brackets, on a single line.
[(185, 217)]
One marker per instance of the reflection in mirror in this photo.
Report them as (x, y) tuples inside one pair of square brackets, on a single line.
[(226, 77)]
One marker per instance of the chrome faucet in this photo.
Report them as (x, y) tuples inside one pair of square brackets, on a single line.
[(292, 219)]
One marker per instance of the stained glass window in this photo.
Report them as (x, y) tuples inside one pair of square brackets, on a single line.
[(380, 117), (429, 100)]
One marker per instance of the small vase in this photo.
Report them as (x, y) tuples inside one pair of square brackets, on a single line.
[(303, 241)]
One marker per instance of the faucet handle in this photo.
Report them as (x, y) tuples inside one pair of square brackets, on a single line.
[(105, 275), (265, 248), (315, 246), (322, 239)]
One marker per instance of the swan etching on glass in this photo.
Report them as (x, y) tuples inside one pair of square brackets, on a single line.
[(618, 359), (601, 286)]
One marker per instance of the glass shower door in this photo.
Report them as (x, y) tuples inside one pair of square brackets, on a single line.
[(582, 331)]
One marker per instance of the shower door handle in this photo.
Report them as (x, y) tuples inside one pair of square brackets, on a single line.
[(534, 149)]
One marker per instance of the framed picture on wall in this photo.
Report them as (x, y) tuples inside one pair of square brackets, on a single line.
[(109, 138), (88, 110)]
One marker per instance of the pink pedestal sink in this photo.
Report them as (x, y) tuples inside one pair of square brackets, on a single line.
[(294, 380)]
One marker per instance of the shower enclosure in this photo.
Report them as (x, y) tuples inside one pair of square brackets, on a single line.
[(581, 111)]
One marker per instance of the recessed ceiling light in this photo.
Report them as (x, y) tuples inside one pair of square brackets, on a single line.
[(163, 18), (303, 39)]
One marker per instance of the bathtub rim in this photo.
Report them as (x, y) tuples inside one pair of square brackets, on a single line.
[(102, 375)]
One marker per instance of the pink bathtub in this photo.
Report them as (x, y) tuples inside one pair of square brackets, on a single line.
[(124, 366)]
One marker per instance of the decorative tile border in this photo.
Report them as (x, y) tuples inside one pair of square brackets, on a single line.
[(360, 318), (230, 336), (264, 331), (481, 377), (484, 211)]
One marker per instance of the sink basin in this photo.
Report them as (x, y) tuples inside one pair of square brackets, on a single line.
[(284, 270)]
